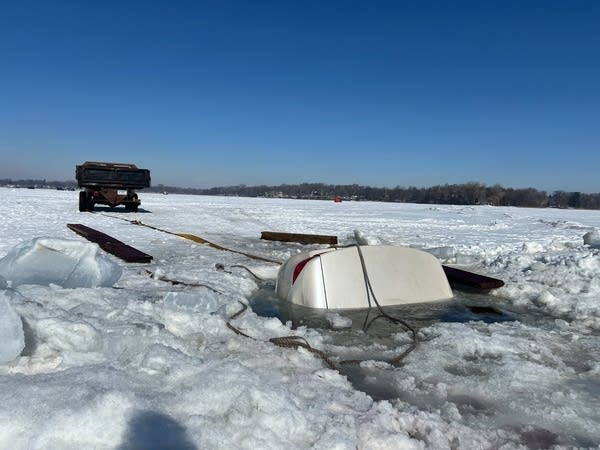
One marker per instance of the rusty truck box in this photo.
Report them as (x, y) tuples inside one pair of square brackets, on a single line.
[(110, 184), (112, 175)]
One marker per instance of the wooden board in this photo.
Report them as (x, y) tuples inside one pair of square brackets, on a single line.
[(300, 238), (110, 244), (471, 280)]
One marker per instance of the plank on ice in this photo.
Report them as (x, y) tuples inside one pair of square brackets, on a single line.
[(110, 244), (470, 279), (300, 238)]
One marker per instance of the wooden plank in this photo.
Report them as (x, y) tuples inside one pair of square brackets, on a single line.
[(300, 238), (471, 280), (111, 245)]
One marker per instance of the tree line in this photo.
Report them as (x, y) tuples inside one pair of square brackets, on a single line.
[(39, 184), (471, 193)]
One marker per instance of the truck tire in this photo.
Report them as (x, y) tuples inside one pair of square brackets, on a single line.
[(86, 201), (132, 207), (82, 201)]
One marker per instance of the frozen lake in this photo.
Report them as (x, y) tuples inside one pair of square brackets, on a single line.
[(145, 363)]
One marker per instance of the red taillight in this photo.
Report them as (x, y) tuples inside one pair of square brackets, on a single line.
[(298, 269)]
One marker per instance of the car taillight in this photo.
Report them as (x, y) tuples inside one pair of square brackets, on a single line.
[(298, 269)]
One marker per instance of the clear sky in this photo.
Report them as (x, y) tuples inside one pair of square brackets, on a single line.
[(207, 93)]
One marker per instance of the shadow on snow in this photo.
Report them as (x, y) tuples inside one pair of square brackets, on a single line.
[(153, 430)]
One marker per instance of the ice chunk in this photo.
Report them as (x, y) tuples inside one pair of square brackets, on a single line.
[(3, 284), (67, 263), (363, 239), (592, 238), (12, 338), (338, 321)]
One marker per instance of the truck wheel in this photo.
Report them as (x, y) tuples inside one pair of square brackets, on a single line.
[(82, 201), (132, 207)]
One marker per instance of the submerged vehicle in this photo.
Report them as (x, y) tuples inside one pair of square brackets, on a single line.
[(110, 184), (362, 276)]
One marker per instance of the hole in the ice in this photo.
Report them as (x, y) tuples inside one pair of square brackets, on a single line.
[(265, 303)]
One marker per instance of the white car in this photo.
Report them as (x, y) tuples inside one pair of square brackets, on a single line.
[(357, 277)]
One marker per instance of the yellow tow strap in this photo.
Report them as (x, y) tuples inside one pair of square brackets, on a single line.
[(201, 240), (198, 239)]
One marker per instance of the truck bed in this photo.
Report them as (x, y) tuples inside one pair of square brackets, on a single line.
[(111, 176)]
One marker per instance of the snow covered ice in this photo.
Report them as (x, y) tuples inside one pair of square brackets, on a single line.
[(97, 353)]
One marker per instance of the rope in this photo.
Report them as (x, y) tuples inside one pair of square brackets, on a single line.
[(415, 337), (284, 341), (298, 341), (239, 266), (183, 283), (239, 313), (221, 268)]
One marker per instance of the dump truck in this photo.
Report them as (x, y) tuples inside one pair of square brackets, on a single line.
[(110, 184)]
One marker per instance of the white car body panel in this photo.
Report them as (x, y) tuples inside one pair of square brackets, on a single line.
[(334, 278)]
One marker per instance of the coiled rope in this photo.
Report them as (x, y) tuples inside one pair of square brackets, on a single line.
[(283, 341)]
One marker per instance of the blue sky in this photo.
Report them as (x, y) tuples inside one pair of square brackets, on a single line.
[(368, 92)]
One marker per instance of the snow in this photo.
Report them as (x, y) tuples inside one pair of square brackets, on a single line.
[(97, 353)]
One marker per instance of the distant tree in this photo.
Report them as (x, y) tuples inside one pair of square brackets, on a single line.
[(559, 199), (574, 200)]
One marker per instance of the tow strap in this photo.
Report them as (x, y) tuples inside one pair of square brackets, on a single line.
[(198, 239)]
